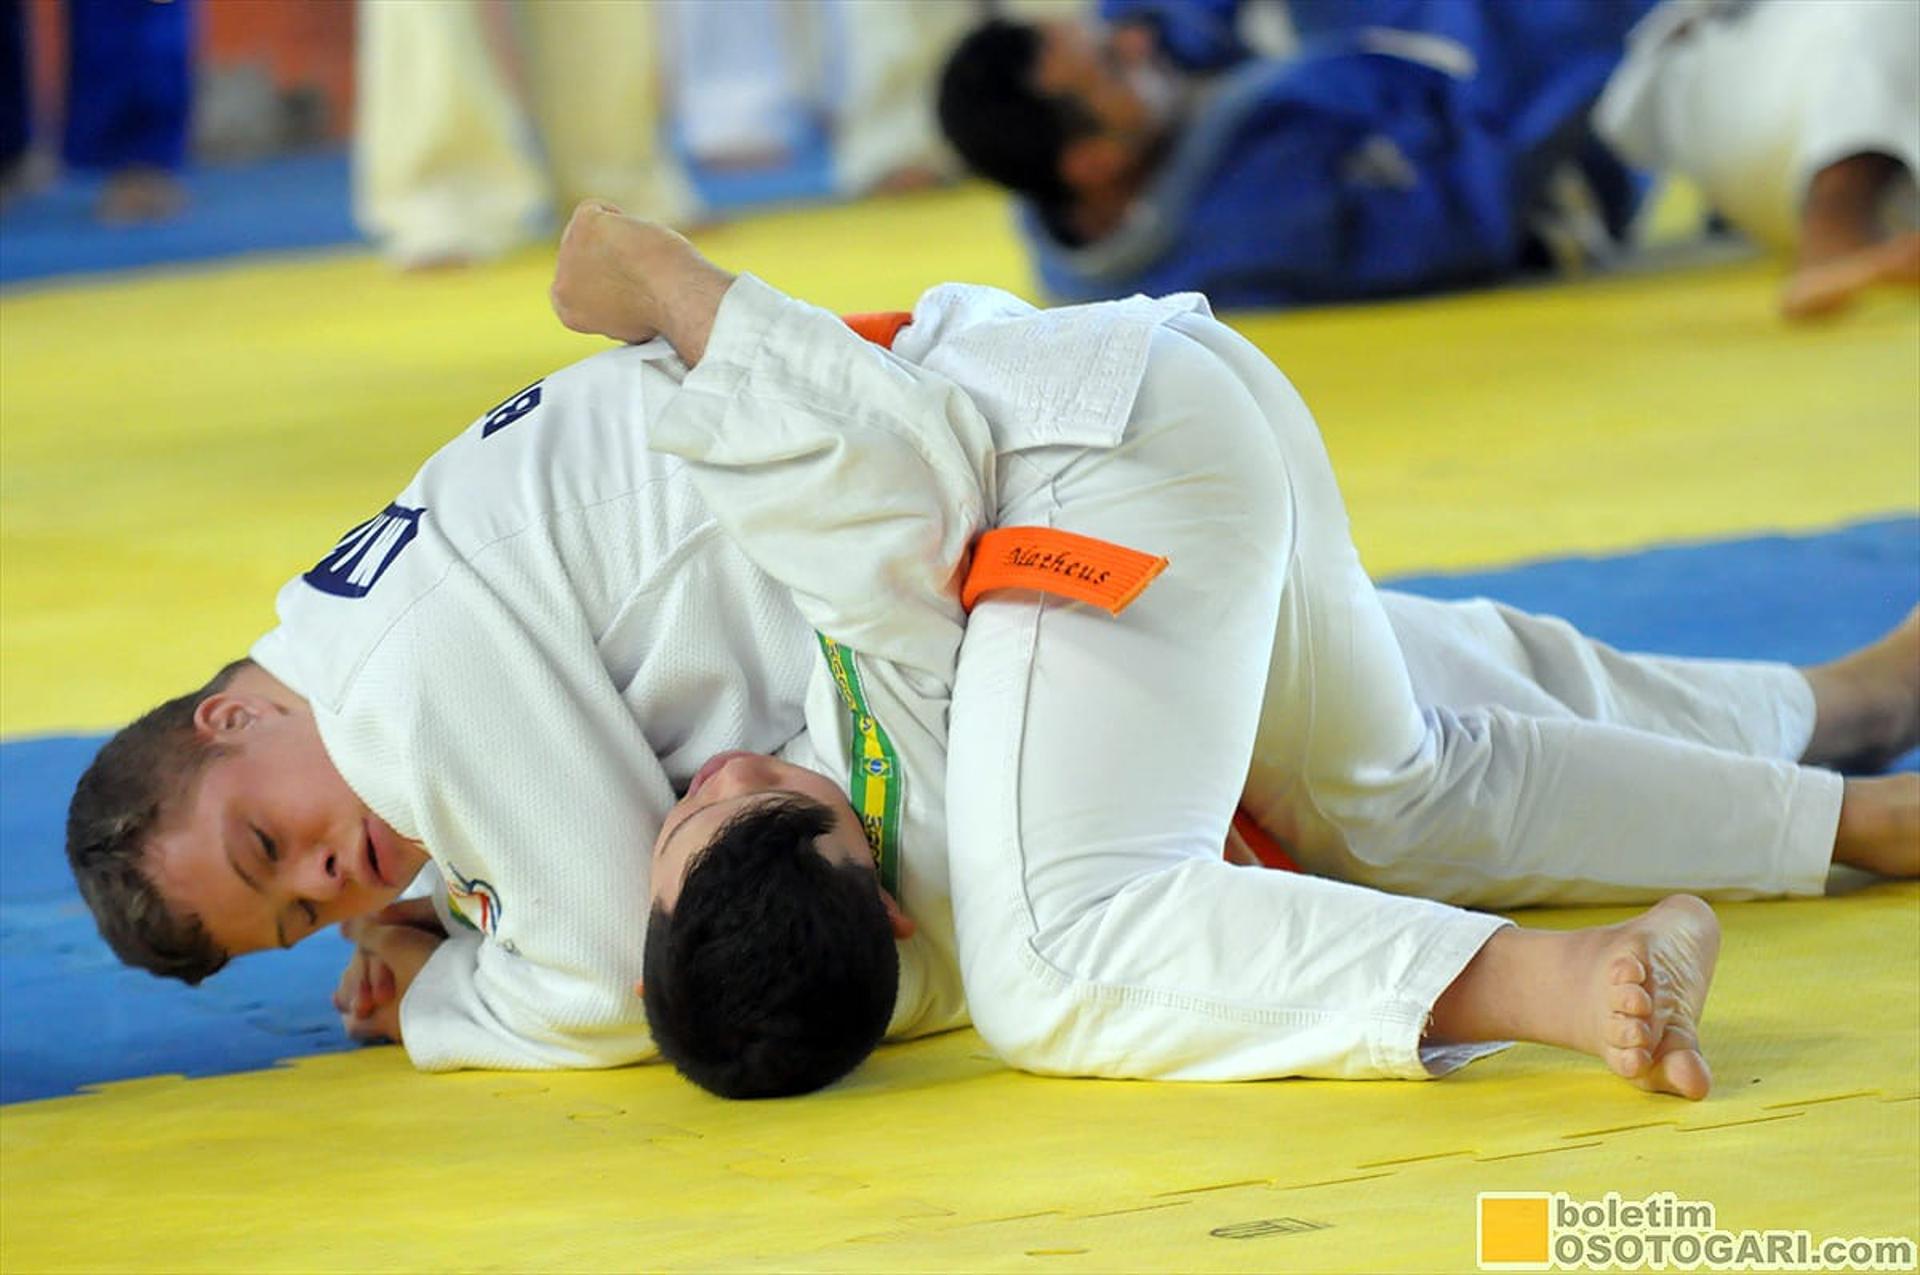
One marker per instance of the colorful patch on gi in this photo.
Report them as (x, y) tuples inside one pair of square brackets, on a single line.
[(873, 768), (363, 555), (473, 902)]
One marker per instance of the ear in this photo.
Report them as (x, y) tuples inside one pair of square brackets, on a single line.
[(1089, 163), (640, 989), (223, 714), (903, 926)]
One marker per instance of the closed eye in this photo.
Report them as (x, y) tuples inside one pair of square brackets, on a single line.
[(267, 848)]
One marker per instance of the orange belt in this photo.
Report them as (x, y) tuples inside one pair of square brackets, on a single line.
[(1265, 848), (880, 327)]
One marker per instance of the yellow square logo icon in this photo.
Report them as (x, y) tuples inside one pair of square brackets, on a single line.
[(1511, 1231)]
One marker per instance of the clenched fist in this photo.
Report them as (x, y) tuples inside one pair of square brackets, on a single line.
[(633, 280)]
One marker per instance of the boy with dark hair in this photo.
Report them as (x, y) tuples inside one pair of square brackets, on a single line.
[(774, 972), (1408, 145), (1168, 619), (1009, 132)]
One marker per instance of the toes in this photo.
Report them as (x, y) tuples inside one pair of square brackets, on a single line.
[(1630, 998), (1625, 1031), (1677, 1039), (1629, 1063), (1626, 968), (1683, 1072)]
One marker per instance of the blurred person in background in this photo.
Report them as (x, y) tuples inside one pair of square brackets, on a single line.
[(1799, 121), (477, 119), (1407, 145), (884, 59), (129, 98), (738, 88), (15, 115), (754, 81)]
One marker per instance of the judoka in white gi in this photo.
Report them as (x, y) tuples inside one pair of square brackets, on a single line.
[(1090, 763), (514, 669), (1800, 122)]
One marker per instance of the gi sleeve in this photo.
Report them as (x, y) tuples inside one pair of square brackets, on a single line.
[(500, 744), (855, 479), (474, 1004)]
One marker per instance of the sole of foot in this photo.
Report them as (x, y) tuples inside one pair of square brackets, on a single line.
[(1653, 973)]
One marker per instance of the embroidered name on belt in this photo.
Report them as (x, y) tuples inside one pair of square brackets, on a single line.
[(1099, 572), (873, 768)]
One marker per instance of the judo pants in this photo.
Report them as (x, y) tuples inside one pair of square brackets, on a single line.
[(1462, 752), (447, 163)]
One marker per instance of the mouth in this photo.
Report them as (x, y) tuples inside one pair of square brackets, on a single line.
[(373, 856)]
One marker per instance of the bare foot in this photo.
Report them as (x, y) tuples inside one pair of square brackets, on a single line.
[(1650, 985), (138, 194), (445, 261), (1880, 826), (1628, 994), (1818, 289), (907, 179), (1867, 704)]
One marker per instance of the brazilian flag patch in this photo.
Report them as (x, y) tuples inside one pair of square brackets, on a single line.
[(873, 768)]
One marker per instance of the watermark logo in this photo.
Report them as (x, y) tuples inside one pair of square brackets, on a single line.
[(1542, 1231)]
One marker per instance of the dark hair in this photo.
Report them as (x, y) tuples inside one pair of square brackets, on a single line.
[(127, 793), (1002, 126), (775, 973)]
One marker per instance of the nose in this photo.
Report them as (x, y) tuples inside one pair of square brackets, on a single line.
[(318, 875)]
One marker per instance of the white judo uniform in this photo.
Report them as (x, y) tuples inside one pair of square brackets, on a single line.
[(519, 663), (619, 572), (1751, 98), (1091, 762)]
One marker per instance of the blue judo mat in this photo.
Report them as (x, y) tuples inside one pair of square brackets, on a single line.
[(293, 203), (71, 1016)]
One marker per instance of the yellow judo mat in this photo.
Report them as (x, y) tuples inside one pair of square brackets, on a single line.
[(173, 446)]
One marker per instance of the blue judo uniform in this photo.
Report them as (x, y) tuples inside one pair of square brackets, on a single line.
[(1367, 165), (129, 83)]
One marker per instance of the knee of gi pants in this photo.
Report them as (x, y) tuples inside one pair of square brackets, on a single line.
[(1018, 1006)]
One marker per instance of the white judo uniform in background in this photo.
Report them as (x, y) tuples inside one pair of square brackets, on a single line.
[(449, 162), (1092, 763), (1751, 98)]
